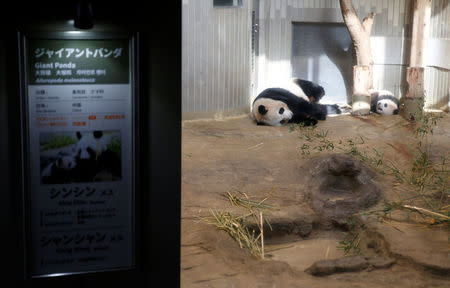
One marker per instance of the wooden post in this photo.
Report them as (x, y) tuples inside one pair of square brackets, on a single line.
[(420, 31), (415, 80), (413, 101)]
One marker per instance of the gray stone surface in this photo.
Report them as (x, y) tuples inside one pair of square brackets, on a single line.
[(348, 264)]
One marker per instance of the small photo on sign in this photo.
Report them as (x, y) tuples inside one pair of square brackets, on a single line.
[(80, 156)]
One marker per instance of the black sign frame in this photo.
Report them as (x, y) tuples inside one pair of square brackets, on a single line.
[(133, 38)]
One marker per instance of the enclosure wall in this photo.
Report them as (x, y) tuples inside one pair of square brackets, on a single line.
[(437, 72), (215, 59), (217, 63), (390, 39)]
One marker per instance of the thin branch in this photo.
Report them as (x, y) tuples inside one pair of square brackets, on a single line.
[(428, 212), (368, 22), (261, 222)]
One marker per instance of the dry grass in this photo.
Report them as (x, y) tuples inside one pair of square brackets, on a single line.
[(239, 226)]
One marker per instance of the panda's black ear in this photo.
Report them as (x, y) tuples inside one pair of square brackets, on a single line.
[(79, 135), (395, 112), (262, 110), (98, 134)]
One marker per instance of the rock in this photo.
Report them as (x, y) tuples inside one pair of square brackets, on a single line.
[(380, 262), (426, 247), (281, 227), (348, 264), (342, 186), (339, 166), (296, 220), (322, 268)]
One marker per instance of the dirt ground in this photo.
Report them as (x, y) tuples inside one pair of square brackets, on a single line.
[(236, 154)]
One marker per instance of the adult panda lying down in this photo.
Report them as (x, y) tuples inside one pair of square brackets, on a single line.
[(278, 106)]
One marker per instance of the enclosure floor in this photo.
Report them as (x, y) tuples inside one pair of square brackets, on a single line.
[(235, 153)]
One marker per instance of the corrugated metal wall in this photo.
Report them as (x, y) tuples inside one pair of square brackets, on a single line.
[(215, 59), (440, 19), (437, 77)]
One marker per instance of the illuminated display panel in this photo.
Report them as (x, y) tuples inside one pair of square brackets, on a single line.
[(79, 154)]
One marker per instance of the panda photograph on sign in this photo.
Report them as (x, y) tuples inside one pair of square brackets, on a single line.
[(80, 156)]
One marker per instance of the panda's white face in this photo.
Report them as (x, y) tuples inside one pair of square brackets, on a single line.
[(90, 144), (387, 107), (271, 112), (66, 162)]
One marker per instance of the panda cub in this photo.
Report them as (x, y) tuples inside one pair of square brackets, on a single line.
[(59, 171), (294, 102), (383, 102)]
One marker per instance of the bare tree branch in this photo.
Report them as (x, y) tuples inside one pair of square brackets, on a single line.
[(359, 32), (368, 22), (362, 72)]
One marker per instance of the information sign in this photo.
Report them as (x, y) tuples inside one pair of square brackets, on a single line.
[(79, 147)]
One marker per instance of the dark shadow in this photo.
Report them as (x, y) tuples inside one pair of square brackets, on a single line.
[(340, 50), (311, 41)]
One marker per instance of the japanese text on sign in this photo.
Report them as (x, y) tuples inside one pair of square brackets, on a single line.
[(77, 53)]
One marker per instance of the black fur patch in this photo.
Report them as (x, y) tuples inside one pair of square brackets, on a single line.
[(262, 110), (314, 91), (98, 134)]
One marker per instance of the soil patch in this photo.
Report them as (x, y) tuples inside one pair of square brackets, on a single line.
[(235, 153)]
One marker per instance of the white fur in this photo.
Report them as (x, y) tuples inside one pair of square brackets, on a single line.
[(386, 107), (272, 117), (88, 140), (287, 85), (383, 106), (380, 92), (64, 162)]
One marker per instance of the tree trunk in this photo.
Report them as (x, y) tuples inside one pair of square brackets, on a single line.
[(414, 98), (420, 31), (362, 71), (362, 82)]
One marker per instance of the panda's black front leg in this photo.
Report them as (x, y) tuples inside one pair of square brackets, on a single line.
[(305, 118), (310, 121), (318, 111)]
